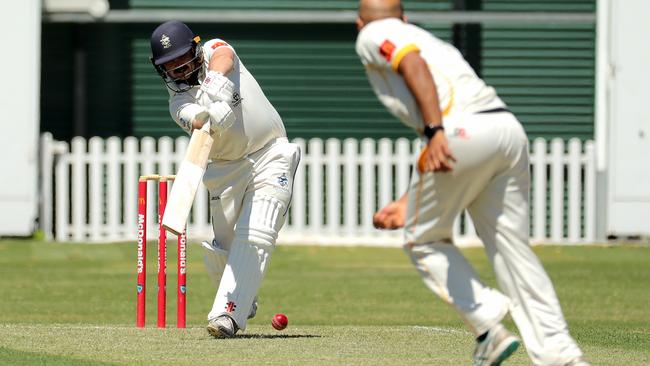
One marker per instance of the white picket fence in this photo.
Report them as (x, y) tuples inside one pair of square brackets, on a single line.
[(89, 190)]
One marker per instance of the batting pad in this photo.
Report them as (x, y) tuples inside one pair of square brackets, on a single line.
[(215, 260), (248, 259)]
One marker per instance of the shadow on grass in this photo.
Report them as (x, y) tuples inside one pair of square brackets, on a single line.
[(275, 336)]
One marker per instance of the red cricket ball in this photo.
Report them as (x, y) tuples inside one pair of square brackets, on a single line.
[(279, 321)]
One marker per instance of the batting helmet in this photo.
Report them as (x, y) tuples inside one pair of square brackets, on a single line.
[(172, 40)]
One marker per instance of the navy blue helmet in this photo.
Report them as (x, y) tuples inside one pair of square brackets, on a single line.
[(174, 43)]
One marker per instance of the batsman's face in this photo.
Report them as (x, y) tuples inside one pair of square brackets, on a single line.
[(181, 68)]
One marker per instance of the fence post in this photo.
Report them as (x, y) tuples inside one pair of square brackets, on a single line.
[(539, 189), (113, 188), (62, 204), (316, 186), (402, 166), (147, 158), (557, 189), (385, 172), (590, 192), (165, 156), (367, 185), (350, 195), (45, 191), (574, 185), (95, 201), (299, 203), (131, 174), (78, 188), (333, 199)]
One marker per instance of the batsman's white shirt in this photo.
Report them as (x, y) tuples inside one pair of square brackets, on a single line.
[(382, 44), (257, 122)]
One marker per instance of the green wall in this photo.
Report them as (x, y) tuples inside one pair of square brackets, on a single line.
[(93, 58), (545, 73)]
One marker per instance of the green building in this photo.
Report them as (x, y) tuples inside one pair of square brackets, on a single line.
[(97, 79)]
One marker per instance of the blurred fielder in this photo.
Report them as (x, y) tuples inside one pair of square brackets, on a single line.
[(251, 169), (475, 158)]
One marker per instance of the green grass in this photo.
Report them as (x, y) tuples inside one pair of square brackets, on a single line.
[(74, 304)]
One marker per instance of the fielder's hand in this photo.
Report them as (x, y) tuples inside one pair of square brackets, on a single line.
[(436, 155), (217, 87), (392, 216)]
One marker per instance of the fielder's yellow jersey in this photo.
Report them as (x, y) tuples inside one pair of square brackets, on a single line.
[(382, 45), (257, 122)]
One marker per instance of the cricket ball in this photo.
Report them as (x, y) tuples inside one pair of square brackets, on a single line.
[(279, 321)]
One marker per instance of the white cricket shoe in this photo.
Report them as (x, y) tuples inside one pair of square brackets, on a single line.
[(496, 347), (222, 326), (578, 361)]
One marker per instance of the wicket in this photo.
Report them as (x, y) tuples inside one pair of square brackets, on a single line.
[(162, 257)]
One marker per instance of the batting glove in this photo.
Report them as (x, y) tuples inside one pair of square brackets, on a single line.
[(221, 116), (218, 87)]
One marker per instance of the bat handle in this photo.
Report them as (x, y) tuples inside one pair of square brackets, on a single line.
[(206, 126), (204, 118)]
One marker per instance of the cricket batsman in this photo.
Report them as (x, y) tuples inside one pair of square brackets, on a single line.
[(475, 158), (250, 172)]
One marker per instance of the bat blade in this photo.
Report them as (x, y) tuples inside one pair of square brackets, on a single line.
[(188, 179)]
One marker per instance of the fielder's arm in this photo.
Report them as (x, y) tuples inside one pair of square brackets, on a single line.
[(436, 156)]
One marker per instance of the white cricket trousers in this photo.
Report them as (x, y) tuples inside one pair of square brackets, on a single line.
[(249, 200), (491, 180)]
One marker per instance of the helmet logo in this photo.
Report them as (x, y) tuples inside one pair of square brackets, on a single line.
[(165, 41)]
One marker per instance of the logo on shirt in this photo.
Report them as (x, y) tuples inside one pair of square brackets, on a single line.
[(283, 181), (218, 44), (460, 133), (165, 41), (236, 99), (386, 50)]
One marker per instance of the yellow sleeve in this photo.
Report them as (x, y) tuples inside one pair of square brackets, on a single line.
[(401, 53)]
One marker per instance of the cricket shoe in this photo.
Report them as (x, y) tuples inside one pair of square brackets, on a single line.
[(497, 346), (222, 326)]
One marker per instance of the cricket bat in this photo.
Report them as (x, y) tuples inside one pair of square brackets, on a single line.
[(188, 178)]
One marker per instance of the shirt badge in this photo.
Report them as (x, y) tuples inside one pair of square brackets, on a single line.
[(386, 49)]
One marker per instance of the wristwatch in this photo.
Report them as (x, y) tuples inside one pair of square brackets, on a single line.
[(430, 130)]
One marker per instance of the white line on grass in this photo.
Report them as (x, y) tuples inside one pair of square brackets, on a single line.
[(440, 330)]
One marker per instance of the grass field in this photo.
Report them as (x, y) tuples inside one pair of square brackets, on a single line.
[(74, 304)]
